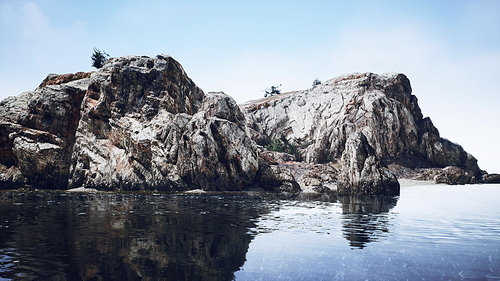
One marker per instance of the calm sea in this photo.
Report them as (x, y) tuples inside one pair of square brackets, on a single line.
[(430, 232)]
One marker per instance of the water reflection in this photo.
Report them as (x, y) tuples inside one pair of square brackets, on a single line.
[(366, 219), (108, 236), (147, 236)]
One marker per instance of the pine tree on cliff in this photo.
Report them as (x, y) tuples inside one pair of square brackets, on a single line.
[(99, 58)]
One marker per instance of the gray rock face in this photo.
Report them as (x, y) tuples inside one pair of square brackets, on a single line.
[(133, 115), (215, 150), (454, 175), (320, 120), (362, 172), (275, 177), (37, 134), (138, 123)]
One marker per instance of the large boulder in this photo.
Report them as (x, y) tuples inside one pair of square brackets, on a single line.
[(215, 150), (38, 132), (274, 177), (453, 175), (491, 178), (362, 172)]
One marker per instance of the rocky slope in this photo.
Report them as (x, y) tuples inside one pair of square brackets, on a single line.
[(140, 123), (319, 122)]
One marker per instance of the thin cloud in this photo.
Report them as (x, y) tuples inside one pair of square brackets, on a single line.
[(36, 24)]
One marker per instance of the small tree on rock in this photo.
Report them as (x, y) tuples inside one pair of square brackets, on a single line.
[(316, 82), (273, 90), (99, 58)]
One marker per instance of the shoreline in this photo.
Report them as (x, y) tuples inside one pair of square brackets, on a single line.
[(404, 183)]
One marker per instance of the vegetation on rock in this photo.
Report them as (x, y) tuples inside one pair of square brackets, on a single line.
[(279, 145), (316, 82), (99, 58), (273, 90)]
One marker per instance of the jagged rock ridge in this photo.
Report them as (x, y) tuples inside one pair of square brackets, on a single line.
[(320, 120), (140, 123)]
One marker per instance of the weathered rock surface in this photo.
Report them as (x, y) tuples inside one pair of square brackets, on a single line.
[(138, 123), (37, 135), (453, 175), (319, 121), (274, 176), (216, 152), (363, 173), (491, 178)]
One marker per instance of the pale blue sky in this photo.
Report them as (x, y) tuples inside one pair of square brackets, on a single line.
[(450, 50)]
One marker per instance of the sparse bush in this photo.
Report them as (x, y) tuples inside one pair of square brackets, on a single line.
[(99, 58), (273, 90), (316, 82), (279, 145)]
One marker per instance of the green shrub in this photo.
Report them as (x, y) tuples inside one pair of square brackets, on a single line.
[(273, 90), (316, 82), (99, 58), (279, 145)]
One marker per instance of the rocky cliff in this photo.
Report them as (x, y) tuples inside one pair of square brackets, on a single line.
[(319, 122), (140, 123)]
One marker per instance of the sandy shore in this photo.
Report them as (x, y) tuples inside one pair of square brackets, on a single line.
[(407, 182)]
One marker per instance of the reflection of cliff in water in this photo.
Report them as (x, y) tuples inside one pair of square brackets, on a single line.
[(125, 236), (366, 218)]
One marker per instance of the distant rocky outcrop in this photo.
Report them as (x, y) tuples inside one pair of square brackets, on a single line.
[(320, 121), (140, 123)]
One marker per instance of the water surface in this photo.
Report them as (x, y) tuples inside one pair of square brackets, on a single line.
[(430, 232)]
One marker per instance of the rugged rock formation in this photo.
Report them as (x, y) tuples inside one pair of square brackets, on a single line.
[(37, 133), (138, 123), (216, 152), (319, 121), (491, 178), (362, 172), (454, 175), (274, 176)]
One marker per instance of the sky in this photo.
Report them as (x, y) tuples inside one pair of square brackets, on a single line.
[(449, 49)]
